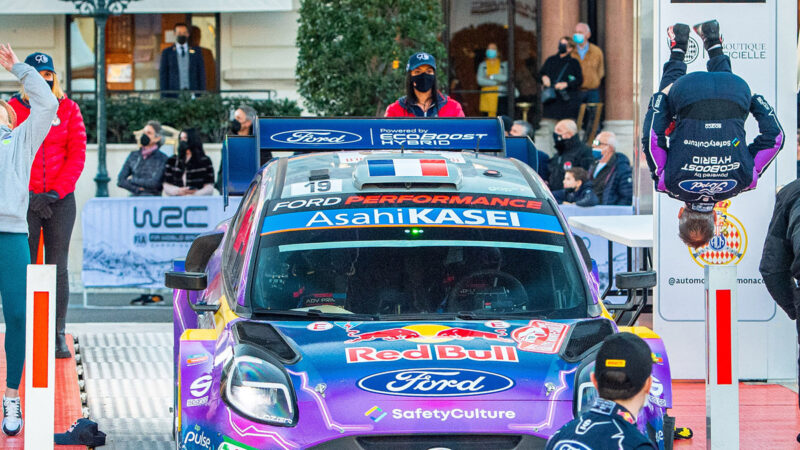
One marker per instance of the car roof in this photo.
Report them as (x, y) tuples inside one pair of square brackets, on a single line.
[(413, 171)]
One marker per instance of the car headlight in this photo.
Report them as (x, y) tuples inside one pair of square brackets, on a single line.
[(259, 390), (585, 392)]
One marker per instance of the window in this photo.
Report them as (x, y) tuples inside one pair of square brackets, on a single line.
[(239, 236)]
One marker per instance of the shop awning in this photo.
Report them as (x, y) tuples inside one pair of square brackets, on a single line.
[(150, 6)]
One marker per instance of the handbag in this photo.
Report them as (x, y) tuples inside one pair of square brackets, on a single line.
[(549, 93)]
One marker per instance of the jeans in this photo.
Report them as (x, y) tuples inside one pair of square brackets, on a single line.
[(13, 274), (590, 96), (57, 234)]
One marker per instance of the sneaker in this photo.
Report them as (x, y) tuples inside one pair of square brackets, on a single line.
[(12, 416), (709, 33), (678, 35), (683, 433)]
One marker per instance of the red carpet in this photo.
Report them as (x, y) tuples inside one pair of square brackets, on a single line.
[(68, 399), (768, 415)]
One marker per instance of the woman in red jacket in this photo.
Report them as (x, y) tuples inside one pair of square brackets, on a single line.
[(56, 168), (422, 99)]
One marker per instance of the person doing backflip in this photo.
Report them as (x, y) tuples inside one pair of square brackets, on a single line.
[(694, 138)]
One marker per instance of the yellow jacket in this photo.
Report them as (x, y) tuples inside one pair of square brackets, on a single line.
[(592, 66)]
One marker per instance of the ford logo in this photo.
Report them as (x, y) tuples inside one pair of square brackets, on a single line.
[(707, 187), (316, 137), (435, 383)]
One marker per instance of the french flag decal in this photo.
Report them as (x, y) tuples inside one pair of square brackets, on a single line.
[(407, 168)]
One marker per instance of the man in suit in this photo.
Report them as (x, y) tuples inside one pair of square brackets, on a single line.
[(182, 66)]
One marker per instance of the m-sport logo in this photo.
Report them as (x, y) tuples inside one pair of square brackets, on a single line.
[(435, 383), (323, 137)]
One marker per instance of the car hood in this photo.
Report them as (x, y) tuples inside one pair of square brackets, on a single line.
[(443, 373)]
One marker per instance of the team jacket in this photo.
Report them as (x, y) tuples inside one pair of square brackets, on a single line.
[(446, 107), (59, 162), (780, 260), (606, 426), (695, 142)]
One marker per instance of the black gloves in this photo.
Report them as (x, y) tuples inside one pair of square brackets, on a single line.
[(40, 203)]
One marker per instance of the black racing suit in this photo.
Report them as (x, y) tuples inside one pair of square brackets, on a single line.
[(694, 138), (606, 426), (780, 261)]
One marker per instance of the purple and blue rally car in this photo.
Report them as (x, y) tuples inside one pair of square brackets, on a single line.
[(391, 285)]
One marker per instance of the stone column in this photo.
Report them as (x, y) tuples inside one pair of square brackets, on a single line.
[(619, 60), (558, 19)]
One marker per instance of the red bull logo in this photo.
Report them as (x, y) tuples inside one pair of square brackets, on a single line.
[(426, 352), (540, 336), (427, 333)]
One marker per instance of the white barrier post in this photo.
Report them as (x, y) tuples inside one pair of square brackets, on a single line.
[(40, 367), (722, 358)]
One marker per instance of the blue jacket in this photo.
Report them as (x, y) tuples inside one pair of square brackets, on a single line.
[(584, 196), (613, 185), (168, 70), (695, 142), (606, 426)]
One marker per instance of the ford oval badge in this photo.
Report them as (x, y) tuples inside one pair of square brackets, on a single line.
[(435, 382), (315, 137)]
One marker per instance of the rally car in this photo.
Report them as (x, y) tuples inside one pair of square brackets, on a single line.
[(390, 293)]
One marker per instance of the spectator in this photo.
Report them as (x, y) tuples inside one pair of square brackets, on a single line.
[(209, 65), (563, 73), (56, 168), (243, 118), (190, 172), (508, 124), (143, 171), (492, 77), (798, 153), (523, 128), (17, 151), (570, 152), (422, 98), (592, 65), (611, 175), (182, 66), (577, 189), (622, 377)]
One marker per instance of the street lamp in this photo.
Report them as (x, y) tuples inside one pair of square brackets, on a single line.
[(100, 10)]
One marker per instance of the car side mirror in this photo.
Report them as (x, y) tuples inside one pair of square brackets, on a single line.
[(190, 281), (636, 280)]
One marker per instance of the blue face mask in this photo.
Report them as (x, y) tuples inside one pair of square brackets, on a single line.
[(491, 53), (578, 38)]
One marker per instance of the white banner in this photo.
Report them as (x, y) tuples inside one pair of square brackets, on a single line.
[(132, 241), (750, 39)]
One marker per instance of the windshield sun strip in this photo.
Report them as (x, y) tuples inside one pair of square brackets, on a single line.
[(538, 230), (412, 244)]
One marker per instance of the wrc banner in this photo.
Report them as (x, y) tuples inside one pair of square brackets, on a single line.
[(750, 31)]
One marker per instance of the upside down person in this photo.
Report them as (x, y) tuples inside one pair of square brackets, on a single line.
[(694, 139)]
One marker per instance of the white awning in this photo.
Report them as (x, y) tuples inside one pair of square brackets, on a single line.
[(149, 6)]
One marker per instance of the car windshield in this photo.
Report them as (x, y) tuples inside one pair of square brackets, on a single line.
[(415, 262)]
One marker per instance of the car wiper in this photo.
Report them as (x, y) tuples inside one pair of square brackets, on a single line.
[(311, 313), (418, 316), (472, 315)]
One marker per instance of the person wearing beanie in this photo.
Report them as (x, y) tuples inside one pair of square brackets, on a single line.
[(18, 145), (56, 168), (622, 376), (706, 159), (422, 98)]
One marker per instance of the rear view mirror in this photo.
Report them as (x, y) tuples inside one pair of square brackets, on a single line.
[(187, 281)]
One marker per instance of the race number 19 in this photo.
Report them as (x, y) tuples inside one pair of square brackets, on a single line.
[(316, 187)]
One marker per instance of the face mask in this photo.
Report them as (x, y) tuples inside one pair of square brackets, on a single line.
[(144, 140), (491, 53), (235, 126), (423, 82), (182, 147), (562, 48), (570, 190), (578, 38), (50, 83), (182, 39)]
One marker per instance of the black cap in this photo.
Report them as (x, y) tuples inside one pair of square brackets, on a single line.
[(626, 353), (82, 432)]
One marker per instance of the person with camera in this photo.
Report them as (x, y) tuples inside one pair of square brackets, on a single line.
[(561, 79), (143, 171)]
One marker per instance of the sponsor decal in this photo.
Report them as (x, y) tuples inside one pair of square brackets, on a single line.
[(200, 358), (457, 201), (230, 444), (200, 386), (540, 336), (736, 142), (626, 416), (455, 414), (710, 187), (570, 445), (692, 51), (435, 383), (729, 244), (615, 363), (351, 157), (496, 324), (657, 358), (711, 164), (714, 126), (316, 137), (707, 144), (407, 168), (375, 413), (568, 165), (196, 401), (417, 137), (426, 352), (319, 326), (427, 333), (197, 437), (656, 391)]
